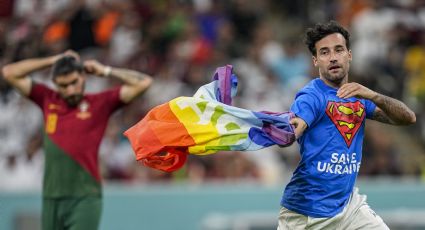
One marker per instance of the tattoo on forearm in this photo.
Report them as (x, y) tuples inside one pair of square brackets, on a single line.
[(380, 116), (392, 111), (129, 76)]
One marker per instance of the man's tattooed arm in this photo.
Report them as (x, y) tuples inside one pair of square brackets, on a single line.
[(135, 82), (392, 111)]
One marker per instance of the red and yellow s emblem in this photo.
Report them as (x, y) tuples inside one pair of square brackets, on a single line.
[(347, 118)]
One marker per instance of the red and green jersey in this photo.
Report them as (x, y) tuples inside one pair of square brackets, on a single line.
[(71, 141)]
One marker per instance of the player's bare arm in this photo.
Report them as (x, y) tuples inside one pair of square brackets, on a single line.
[(389, 110), (17, 74), (299, 124), (135, 82)]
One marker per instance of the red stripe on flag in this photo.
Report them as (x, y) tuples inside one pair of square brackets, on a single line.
[(159, 140)]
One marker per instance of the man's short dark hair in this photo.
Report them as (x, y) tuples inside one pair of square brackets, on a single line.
[(321, 30), (66, 65)]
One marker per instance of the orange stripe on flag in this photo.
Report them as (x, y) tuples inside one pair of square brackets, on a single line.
[(160, 140)]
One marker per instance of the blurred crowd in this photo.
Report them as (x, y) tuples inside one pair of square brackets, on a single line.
[(180, 43)]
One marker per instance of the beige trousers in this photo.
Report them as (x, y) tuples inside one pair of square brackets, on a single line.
[(356, 215)]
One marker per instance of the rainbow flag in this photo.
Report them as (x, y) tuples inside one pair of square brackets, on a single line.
[(204, 124)]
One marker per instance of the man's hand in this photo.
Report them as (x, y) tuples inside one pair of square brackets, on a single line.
[(17, 73), (95, 67), (66, 53), (300, 126), (353, 89), (135, 82), (389, 110)]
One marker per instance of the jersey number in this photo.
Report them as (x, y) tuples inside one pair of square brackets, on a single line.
[(52, 120)]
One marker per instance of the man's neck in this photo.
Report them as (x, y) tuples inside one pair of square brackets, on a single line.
[(332, 84)]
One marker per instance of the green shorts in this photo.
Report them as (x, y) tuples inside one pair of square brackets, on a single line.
[(71, 213)]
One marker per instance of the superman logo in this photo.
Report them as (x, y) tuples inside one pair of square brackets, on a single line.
[(347, 118)]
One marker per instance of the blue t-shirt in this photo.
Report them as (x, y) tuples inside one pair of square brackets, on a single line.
[(330, 147)]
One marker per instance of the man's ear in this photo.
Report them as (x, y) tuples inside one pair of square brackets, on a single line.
[(314, 61)]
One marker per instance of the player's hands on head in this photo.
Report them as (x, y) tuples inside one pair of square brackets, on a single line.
[(66, 53), (353, 89), (72, 53), (94, 67)]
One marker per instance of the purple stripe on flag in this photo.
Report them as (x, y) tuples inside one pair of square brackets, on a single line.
[(224, 90), (279, 136)]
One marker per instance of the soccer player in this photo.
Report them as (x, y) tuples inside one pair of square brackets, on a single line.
[(74, 125), (330, 120)]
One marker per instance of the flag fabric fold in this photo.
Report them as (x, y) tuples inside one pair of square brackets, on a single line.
[(205, 124)]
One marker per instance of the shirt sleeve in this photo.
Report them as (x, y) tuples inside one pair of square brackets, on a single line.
[(370, 108), (38, 93), (112, 99), (306, 106)]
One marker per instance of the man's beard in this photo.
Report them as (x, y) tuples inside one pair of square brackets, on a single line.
[(336, 79), (73, 100)]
